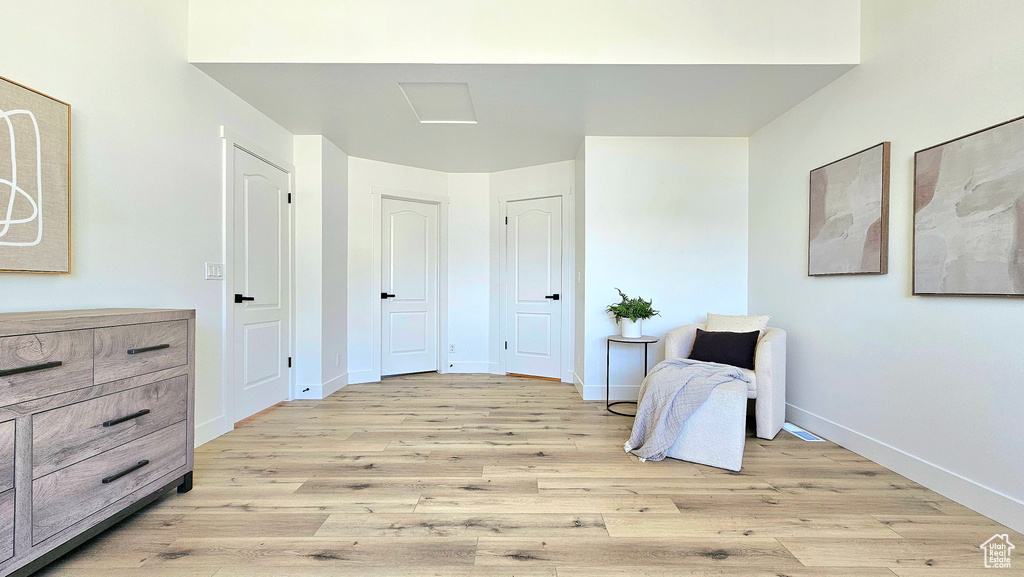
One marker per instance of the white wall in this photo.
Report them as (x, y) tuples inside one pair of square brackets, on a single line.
[(927, 386), (666, 219), (147, 183), (579, 312), (534, 31), (335, 268), (309, 222), (321, 270), (364, 177), (469, 235), (556, 178)]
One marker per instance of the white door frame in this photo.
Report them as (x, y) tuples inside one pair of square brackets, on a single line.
[(568, 266), (377, 193), (233, 140)]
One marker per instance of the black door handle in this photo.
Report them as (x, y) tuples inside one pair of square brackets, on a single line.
[(239, 299), (386, 296), (553, 297)]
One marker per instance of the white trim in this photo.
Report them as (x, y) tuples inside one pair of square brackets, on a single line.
[(376, 194), (985, 500), (568, 274), (234, 140), (363, 376), (211, 429), (615, 392), (469, 367), (578, 383), (319, 392)]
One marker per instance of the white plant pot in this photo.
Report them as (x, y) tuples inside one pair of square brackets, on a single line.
[(631, 329)]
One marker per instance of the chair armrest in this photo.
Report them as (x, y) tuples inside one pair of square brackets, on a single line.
[(679, 341), (770, 373), (770, 357)]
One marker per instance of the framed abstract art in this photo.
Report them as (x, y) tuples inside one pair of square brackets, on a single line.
[(849, 215), (969, 214), (35, 190)]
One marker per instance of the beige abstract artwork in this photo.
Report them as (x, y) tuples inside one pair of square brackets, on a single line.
[(849, 215), (969, 214), (34, 186)]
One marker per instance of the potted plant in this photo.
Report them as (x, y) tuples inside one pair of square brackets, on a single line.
[(630, 313)]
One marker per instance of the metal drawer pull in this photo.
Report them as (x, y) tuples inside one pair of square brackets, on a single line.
[(120, 420), (131, 469), (30, 368), (147, 349)]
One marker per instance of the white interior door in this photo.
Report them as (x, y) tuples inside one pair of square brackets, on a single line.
[(409, 264), (262, 265), (533, 273)]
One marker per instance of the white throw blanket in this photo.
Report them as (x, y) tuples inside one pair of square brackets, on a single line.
[(673, 391)]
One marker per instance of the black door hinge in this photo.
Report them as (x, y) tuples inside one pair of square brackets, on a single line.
[(506, 345), (289, 362), (506, 220), (289, 198)]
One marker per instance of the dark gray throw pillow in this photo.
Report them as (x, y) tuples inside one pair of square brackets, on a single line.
[(736, 349)]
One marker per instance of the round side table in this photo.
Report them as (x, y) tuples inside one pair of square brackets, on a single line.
[(644, 340)]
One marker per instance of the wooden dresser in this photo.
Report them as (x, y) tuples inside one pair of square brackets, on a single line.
[(96, 421)]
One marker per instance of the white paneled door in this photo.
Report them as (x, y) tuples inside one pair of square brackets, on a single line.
[(261, 272), (409, 288), (533, 281)]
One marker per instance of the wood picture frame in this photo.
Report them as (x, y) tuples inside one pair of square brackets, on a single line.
[(968, 236), (35, 181), (848, 215)]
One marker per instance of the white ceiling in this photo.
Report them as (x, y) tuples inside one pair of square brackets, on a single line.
[(526, 114)]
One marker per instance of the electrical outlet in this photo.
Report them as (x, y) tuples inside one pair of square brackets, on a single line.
[(451, 348), (214, 271), (337, 360)]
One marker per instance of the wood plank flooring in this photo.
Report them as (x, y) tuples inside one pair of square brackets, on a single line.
[(486, 476)]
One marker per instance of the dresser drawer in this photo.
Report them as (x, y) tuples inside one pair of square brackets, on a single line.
[(36, 366), (6, 490), (132, 350), (71, 494), (64, 436), (6, 525), (6, 455)]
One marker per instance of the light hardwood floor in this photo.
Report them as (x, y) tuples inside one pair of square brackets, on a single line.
[(476, 475)]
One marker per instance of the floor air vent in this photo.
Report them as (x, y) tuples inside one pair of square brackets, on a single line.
[(809, 437)]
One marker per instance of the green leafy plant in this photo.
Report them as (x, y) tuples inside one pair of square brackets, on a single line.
[(632, 309)]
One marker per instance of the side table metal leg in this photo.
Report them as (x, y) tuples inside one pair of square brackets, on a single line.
[(645, 359), (607, 373)]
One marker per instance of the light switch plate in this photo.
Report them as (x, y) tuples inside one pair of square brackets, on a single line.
[(214, 271)]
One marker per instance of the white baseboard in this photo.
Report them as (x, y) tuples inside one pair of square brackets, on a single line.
[(615, 393), (578, 383), (318, 392), (334, 385), (210, 430), (364, 376), (495, 369), (469, 367), (985, 500)]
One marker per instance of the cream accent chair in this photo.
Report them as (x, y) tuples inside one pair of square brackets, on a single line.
[(767, 381)]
